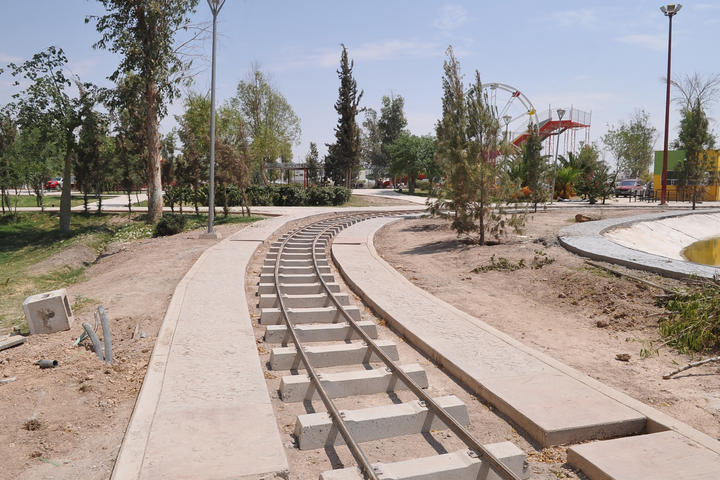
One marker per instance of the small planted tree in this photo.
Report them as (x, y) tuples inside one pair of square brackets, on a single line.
[(535, 169), (695, 138), (314, 169), (467, 147)]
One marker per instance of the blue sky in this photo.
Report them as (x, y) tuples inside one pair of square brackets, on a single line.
[(607, 57)]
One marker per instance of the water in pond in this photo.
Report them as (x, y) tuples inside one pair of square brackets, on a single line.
[(706, 252)]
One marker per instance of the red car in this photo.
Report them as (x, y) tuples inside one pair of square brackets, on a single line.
[(630, 187), (54, 184)]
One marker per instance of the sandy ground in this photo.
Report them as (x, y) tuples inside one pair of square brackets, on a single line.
[(486, 424), (68, 422), (577, 314)]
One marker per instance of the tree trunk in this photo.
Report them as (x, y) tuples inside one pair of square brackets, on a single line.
[(155, 200), (85, 201), (65, 196), (262, 172)]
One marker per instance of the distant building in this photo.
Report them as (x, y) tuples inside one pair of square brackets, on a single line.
[(674, 188)]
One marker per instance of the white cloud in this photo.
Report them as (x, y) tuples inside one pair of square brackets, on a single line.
[(450, 18), (374, 51), (652, 42), (585, 17), (5, 58)]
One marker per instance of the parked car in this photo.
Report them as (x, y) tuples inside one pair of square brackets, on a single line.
[(630, 187), (54, 183)]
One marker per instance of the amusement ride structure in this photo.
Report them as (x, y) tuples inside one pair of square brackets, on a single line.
[(517, 113)]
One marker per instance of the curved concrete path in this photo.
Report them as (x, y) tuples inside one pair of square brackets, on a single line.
[(650, 242), (554, 403), (204, 411)]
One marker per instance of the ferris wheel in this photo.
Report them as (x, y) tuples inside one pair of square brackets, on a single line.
[(512, 107)]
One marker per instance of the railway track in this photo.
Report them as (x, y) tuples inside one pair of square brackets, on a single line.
[(324, 350)]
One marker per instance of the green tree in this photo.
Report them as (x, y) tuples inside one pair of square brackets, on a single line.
[(312, 161), (142, 33), (8, 168), (695, 139), (535, 168), (343, 160), (233, 155), (409, 156), (94, 156), (271, 122), (373, 157), (195, 137), (467, 146), (631, 144), (391, 126), (596, 182), (46, 100)]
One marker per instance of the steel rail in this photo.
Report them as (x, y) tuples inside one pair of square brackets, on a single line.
[(447, 419), (337, 419)]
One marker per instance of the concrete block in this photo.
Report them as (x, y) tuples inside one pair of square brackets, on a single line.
[(294, 262), (295, 269), (272, 316), (296, 256), (308, 300), (295, 278), (333, 332), (48, 312), (296, 388), (657, 456), (316, 430), (286, 358), (459, 465), (296, 288)]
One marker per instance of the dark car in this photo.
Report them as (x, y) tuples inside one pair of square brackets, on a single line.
[(630, 187)]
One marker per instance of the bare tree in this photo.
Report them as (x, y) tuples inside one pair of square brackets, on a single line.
[(696, 90)]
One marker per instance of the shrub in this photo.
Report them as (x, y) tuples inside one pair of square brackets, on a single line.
[(170, 224), (319, 196), (341, 195), (259, 195), (289, 196), (694, 321)]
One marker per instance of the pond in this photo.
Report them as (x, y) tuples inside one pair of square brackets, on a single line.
[(706, 252)]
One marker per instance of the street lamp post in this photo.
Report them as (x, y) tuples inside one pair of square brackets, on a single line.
[(670, 11), (560, 114), (215, 6), (506, 119)]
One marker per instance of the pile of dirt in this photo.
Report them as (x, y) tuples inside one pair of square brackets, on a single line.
[(554, 302)]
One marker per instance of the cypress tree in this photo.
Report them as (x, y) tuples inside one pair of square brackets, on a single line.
[(343, 160)]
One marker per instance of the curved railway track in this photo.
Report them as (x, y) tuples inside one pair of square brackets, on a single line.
[(316, 327)]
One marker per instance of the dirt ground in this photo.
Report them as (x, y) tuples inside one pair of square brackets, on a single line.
[(68, 422), (577, 314)]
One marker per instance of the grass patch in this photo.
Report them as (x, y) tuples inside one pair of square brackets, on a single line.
[(502, 264), (418, 191), (31, 237)]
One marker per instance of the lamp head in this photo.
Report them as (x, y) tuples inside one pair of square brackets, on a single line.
[(561, 113), (506, 119), (671, 9)]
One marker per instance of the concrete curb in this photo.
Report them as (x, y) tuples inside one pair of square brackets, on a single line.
[(588, 240), (656, 421)]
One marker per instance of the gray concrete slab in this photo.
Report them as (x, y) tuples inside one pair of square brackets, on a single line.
[(316, 430), (320, 356), (658, 456), (333, 332), (595, 240), (523, 384), (458, 465), (308, 300), (296, 388), (273, 316)]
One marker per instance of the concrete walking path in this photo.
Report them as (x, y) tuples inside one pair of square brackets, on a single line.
[(204, 410), (554, 403)]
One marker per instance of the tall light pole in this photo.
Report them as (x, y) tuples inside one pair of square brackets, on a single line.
[(215, 6), (560, 114), (506, 119), (670, 11)]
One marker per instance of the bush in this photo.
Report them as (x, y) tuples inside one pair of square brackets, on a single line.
[(319, 196), (694, 321), (170, 224), (259, 195), (340, 195), (289, 196)]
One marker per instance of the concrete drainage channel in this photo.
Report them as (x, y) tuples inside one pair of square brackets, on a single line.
[(341, 391)]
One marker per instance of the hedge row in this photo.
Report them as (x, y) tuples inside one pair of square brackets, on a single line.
[(261, 195)]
